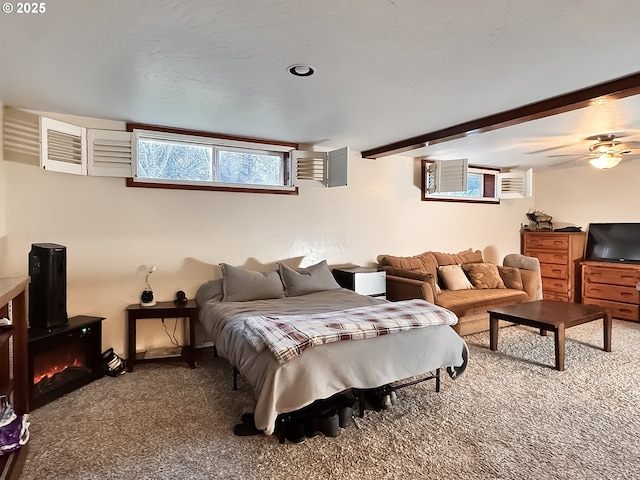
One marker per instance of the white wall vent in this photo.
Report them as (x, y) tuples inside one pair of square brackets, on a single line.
[(63, 147), (21, 136), (446, 176), (110, 153), (515, 184), (328, 169)]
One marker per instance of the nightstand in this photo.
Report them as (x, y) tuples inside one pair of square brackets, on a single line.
[(362, 280), (135, 312)]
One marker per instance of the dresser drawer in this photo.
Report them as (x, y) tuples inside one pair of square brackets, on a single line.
[(615, 276), (563, 297), (555, 285), (617, 293), (550, 257), (622, 311), (555, 242), (553, 270)]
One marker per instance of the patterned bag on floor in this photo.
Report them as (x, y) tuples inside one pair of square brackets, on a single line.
[(14, 429)]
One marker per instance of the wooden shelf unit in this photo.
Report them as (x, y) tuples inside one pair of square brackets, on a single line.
[(559, 254), (14, 381), (612, 286)]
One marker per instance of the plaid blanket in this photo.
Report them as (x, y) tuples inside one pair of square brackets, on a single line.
[(289, 335)]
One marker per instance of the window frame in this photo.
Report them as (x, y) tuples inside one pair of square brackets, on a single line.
[(490, 180), (216, 141)]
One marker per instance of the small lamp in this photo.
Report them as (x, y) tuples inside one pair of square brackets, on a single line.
[(146, 299)]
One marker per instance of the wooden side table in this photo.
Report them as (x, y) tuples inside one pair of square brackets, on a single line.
[(135, 312)]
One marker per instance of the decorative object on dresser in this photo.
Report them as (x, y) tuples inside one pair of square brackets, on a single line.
[(362, 280), (612, 286), (559, 254), (539, 221)]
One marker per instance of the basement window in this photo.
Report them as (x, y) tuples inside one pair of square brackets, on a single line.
[(481, 187), (180, 160)]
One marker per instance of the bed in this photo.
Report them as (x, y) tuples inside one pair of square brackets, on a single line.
[(228, 306)]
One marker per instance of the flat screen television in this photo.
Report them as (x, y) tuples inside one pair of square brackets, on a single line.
[(613, 242)]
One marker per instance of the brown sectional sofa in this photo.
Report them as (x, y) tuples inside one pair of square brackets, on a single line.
[(437, 278)]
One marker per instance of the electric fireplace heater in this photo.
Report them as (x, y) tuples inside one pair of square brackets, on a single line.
[(64, 359)]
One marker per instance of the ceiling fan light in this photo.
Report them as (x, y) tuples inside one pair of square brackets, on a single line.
[(605, 161)]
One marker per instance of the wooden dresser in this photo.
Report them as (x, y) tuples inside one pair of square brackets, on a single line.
[(559, 254), (612, 286)]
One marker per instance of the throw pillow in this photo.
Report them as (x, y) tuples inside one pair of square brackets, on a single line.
[(511, 277), (484, 275), (211, 290), (240, 285), (454, 278), (416, 275), (311, 279)]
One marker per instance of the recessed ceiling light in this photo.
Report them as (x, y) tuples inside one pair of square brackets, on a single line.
[(301, 70)]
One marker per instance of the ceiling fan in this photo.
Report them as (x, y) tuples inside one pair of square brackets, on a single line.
[(606, 152)]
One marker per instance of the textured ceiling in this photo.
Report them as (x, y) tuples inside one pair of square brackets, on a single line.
[(387, 69)]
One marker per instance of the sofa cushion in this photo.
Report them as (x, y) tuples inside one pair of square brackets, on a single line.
[(460, 258), (483, 275), (511, 277), (425, 262), (465, 302), (403, 272), (454, 278)]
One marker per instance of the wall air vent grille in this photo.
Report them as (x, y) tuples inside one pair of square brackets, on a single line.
[(63, 147), (21, 136), (110, 153)]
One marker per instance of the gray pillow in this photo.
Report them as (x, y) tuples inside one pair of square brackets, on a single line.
[(240, 285), (212, 290), (311, 279)]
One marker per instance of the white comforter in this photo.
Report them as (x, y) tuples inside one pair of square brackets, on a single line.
[(322, 370)]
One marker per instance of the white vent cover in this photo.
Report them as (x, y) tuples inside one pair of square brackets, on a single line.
[(446, 176), (516, 184), (63, 147), (321, 168), (110, 153), (21, 136)]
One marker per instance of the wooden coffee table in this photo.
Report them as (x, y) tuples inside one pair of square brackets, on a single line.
[(550, 315)]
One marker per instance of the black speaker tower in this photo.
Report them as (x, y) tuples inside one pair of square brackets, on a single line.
[(48, 287)]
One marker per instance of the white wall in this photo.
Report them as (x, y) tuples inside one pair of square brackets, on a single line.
[(578, 196), (112, 233)]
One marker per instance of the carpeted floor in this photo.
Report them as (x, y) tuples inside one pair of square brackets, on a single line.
[(510, 416)]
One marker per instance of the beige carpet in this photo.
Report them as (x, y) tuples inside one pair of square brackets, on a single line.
[(510, 416)]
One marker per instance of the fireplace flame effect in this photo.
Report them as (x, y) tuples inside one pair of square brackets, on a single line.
[(52, 369)]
